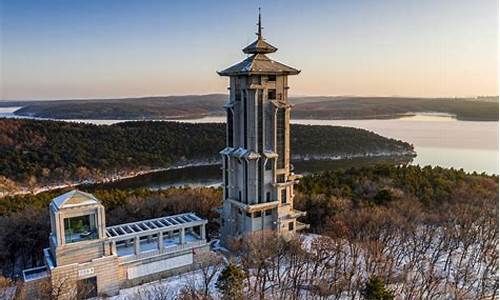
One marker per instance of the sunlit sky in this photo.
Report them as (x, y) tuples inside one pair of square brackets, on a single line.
[(87, 49)]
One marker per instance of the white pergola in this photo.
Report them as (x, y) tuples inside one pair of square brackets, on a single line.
[(156, 227)]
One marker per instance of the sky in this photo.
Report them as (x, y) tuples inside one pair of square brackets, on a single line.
[(105, 49)]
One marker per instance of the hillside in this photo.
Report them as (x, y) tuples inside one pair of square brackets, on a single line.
[(37, 153), (197, 106), (390, 107)]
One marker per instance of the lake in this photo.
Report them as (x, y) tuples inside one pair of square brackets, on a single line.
[(439, 140)]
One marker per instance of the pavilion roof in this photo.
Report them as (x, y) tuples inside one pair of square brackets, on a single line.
[(74, 198)]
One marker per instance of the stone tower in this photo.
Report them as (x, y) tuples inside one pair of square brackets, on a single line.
[(258, 180)]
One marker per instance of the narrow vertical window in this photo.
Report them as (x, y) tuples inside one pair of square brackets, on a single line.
[(260, 180), (237, 90), (269, 164), (226, 176), (280, 137), (271, 94), (283, 196), (245, 125), (229, 128), (245, 164), (260, 122)]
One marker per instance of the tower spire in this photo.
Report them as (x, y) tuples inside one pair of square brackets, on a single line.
[(260, 45), (259, 24)]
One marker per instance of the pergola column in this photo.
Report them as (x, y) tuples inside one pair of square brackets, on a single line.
[(182, 236), (137, 245), (113, 247), (161, 245), (202, 231)]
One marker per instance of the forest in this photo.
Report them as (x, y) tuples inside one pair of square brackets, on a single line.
[(407, 231), (198, 106), (35, 153)]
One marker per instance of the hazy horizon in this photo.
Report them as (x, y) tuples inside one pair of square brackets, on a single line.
[(62, 50), (291, 96)]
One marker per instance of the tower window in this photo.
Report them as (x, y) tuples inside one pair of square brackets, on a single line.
[(290, 226), (280, 137), (226, 176), (268, 197), (245, 125), (260, 180), (269, 164), (271, 78), (280, 178), (229, 128), (245, 165), (237, 90), (260, 122), (80, 228), (271, 94), (283, 196)]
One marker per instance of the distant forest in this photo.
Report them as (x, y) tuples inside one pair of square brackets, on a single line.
[(198, 106), (35, 153)]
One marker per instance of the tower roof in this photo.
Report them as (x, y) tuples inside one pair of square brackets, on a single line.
[(259, 46), (259, 63)]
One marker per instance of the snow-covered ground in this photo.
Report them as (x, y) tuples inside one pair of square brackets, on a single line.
[(169, 287), (338, 270)]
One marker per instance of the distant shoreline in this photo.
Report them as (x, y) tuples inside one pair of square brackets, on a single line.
[(210, 162), (201, 118), (201, 106)]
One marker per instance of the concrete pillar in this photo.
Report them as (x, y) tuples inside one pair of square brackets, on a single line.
[(113, 248), (60, 230), (202, 232), (182, 236), (137, 245), (161, 245)]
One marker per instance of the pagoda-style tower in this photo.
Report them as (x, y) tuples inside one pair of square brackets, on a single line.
[(257, 179)]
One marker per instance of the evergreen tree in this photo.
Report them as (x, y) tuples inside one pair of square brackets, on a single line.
[(230, 282), (375, 290)]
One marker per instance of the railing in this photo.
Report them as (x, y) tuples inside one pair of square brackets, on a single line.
[(157, 252), (35, 273)]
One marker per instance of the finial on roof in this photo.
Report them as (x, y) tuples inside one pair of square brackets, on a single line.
[(260, 45), (259, 24)]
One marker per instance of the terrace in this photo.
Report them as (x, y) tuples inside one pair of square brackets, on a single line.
[(152, 237)]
